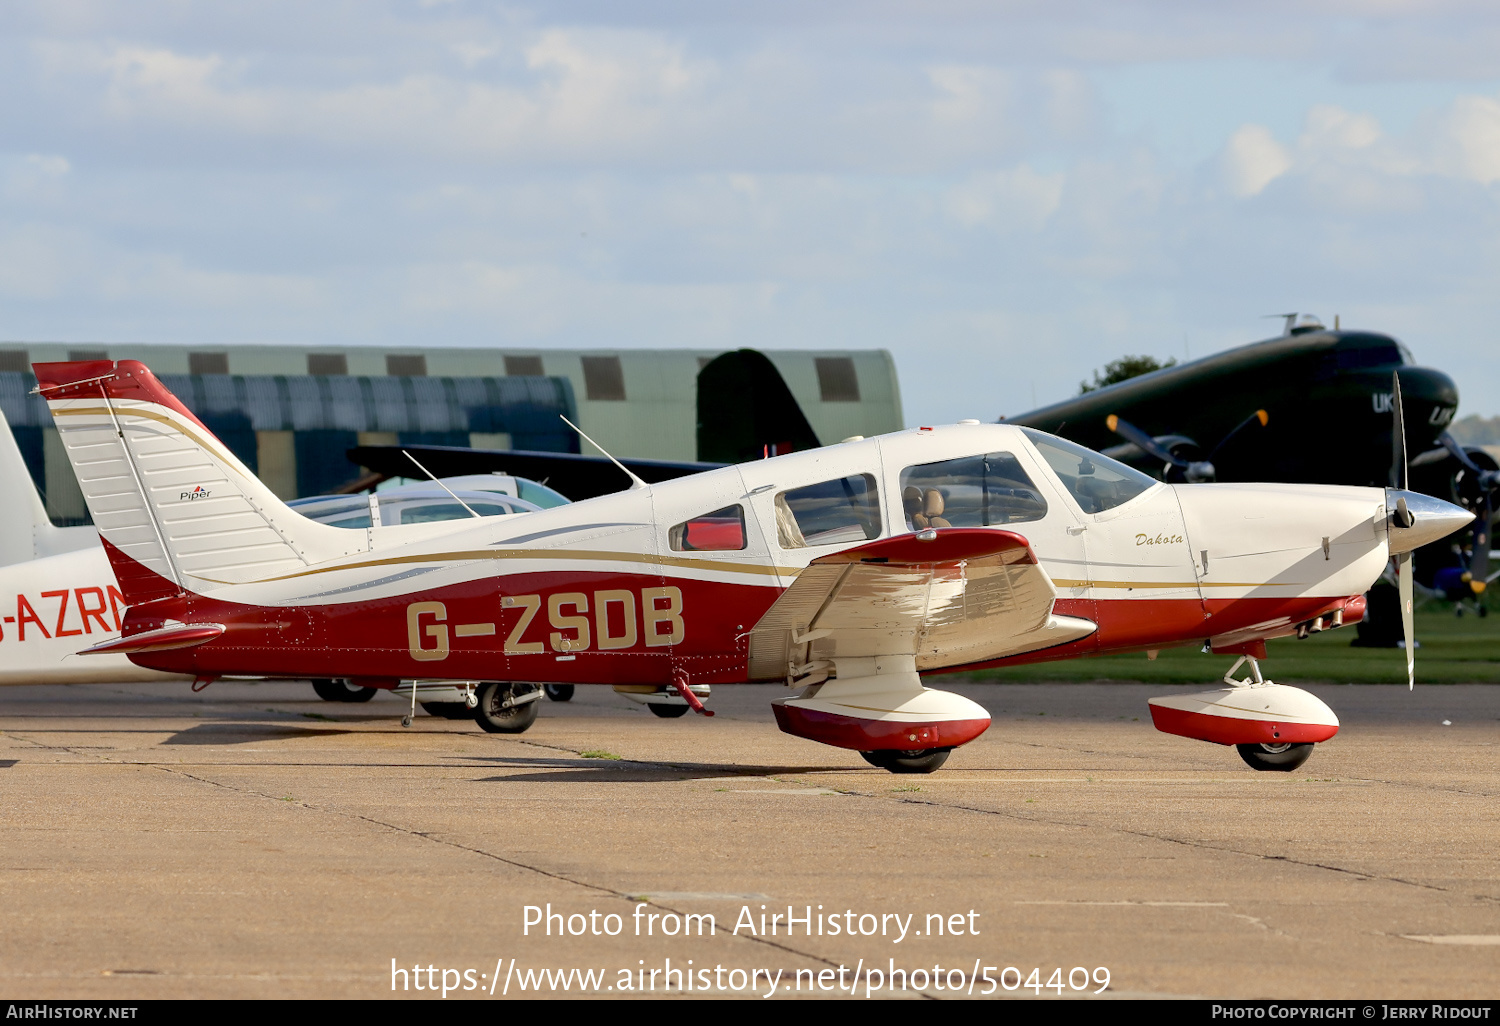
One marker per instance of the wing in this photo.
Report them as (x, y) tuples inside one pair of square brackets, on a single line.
[(965, 595)]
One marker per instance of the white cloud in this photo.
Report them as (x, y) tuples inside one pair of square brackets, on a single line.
[(1470, 139), (1252, 160), (1019, 198), (969, 97), (864, 175), (48, 165), (1330, 126)]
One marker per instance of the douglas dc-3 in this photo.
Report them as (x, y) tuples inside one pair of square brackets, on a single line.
[(844, 572)]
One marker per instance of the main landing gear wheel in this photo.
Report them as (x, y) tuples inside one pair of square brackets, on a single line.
[(447, 710), (338, 691), (667, 712), (1280, 757), (559, 692), (923, 761), (506, 707)]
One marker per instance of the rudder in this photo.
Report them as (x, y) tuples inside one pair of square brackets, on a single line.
[(177, 509)]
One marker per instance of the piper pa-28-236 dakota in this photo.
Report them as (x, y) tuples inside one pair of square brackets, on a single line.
[(845, 572)]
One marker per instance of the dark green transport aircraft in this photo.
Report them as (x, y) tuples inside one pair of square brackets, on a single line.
[(1310, 406)]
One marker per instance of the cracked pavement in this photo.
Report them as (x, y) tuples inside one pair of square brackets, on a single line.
[(253, 841)]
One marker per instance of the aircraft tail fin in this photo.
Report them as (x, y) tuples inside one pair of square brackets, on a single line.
[(746, 411), (176, 509), (26, 532)]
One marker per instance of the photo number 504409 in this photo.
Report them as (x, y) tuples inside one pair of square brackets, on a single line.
[(603, 621)]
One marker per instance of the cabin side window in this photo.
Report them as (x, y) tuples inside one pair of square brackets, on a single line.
[(723, 530), (972, 491), (843, 511)]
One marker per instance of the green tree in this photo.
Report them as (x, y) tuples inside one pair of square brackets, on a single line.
[(1123, 369), (1477, 430)]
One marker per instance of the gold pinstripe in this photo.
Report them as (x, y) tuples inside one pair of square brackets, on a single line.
[(1059, 583), (130, 411), (474, 555)]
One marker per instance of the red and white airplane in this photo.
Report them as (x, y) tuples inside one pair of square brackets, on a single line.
[(845, 572)]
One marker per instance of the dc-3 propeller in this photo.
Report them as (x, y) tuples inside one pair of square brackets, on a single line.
[(1480, 487), (1178, 470)]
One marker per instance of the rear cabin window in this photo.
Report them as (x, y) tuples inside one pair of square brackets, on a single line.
[(843, 511), (1097, 482), (723, 530), (431, 513), (972, 491)]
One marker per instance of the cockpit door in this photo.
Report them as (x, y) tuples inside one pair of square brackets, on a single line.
[(1141, 568)]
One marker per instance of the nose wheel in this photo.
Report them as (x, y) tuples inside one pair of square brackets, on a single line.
[(1273, 726)]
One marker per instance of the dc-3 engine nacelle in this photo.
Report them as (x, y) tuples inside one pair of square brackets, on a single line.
[(1267, 714)]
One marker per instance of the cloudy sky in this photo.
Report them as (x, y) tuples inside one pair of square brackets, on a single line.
[(1005, 195)]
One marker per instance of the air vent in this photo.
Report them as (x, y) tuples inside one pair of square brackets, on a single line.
[(523, 367), (327, 364), (837, 382), (603, 380), (208, 363), (406, 366)]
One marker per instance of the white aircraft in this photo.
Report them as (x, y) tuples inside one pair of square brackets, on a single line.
[(845, 572)]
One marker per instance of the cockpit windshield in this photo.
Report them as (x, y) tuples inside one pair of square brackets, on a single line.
[(1097, 482)]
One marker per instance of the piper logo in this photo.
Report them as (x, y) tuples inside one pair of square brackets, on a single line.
[(197, 493)]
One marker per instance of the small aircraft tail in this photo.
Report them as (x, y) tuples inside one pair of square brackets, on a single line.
[(26, 532), (21, 509), (176, 509), (746, 412)]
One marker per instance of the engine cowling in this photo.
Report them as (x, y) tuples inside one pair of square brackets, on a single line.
[(1258, 714)]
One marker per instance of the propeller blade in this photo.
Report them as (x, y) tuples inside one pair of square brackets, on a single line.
[(1128, 431), (1408, 628), (1192, 472), (1260, 417), (1479, 560), (1398, 436), (1484, 481), (1457, 451)]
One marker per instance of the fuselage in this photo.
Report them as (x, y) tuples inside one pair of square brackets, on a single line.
[(1328, 395), (672, 579)]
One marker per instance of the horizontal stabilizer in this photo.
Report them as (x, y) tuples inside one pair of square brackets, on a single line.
[(182, 635)]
